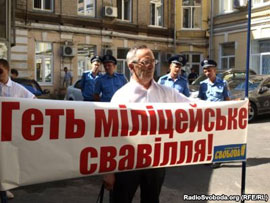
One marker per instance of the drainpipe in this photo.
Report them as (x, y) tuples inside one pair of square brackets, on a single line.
[(8, 29), (211, 49)]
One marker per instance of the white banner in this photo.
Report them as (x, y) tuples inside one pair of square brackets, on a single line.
[(48, 140)]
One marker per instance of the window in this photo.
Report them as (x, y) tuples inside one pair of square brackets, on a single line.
[(192, 14), (225, 6), (193, 61), (44, 63), (124, 9), (156, 12), (122, 66), (227, 55), (85, 53), (260, 56), (45, 5), (256, 3), (158, 64), (87, 7), (3, 50)]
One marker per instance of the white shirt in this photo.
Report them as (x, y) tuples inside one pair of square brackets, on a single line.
[(14, 89), (133, 92)]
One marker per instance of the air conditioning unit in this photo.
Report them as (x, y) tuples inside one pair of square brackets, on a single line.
[(108, 51), (110, 11), (68, 51), (239, 4)]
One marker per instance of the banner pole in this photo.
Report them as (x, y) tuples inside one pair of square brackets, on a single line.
[(243, 180)]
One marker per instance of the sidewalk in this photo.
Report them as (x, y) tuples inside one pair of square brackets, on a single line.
[(180, 181)]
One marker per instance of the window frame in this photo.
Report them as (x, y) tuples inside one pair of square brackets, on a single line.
[(85, 58), (122, 7), (85, 8), (190, 63), (228, 57), (123, 61), (43, 57), (124, 68), (157, 3), (260, 55), (157, 55), (42, 6), (260, 4), (221, 6), (191, 16)]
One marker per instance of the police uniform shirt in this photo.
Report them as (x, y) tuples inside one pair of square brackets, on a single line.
[(180, 84), (88, 85), (14, 89), (216, 91), (107, 85)]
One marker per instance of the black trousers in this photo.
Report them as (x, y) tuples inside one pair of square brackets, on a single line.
[(150, 182)]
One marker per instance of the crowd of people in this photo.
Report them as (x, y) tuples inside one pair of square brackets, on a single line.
[(102, 87), (142, 88)]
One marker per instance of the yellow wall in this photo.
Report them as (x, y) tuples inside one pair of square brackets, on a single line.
[(232, 33)]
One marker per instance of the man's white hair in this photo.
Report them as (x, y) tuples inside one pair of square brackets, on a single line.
[(131, 55)]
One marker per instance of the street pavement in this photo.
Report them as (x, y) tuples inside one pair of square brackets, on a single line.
[(180, 181)]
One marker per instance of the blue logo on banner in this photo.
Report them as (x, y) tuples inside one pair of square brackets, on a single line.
[(226, 153)]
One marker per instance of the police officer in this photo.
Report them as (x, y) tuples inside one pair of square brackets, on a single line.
[(109, 83), (173, 78), (89, 79), (213, 88)]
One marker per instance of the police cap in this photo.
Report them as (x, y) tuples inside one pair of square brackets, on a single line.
[(109, 59), (96, 58), (178, 59), (208, 63)]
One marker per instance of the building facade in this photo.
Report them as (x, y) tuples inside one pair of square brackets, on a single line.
[(192, 18), (53, 34), (230, 34)]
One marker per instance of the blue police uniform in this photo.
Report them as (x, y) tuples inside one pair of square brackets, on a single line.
[(107, 85), (180, 84), (88, 82), (209, 91), (216, 91)]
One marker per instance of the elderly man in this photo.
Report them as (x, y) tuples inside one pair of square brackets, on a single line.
[(142, 89), (109, 83), (9, 88), (174, 78), (88, 80), (213, 88)]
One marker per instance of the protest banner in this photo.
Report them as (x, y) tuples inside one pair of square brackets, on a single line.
[(49, 140)]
